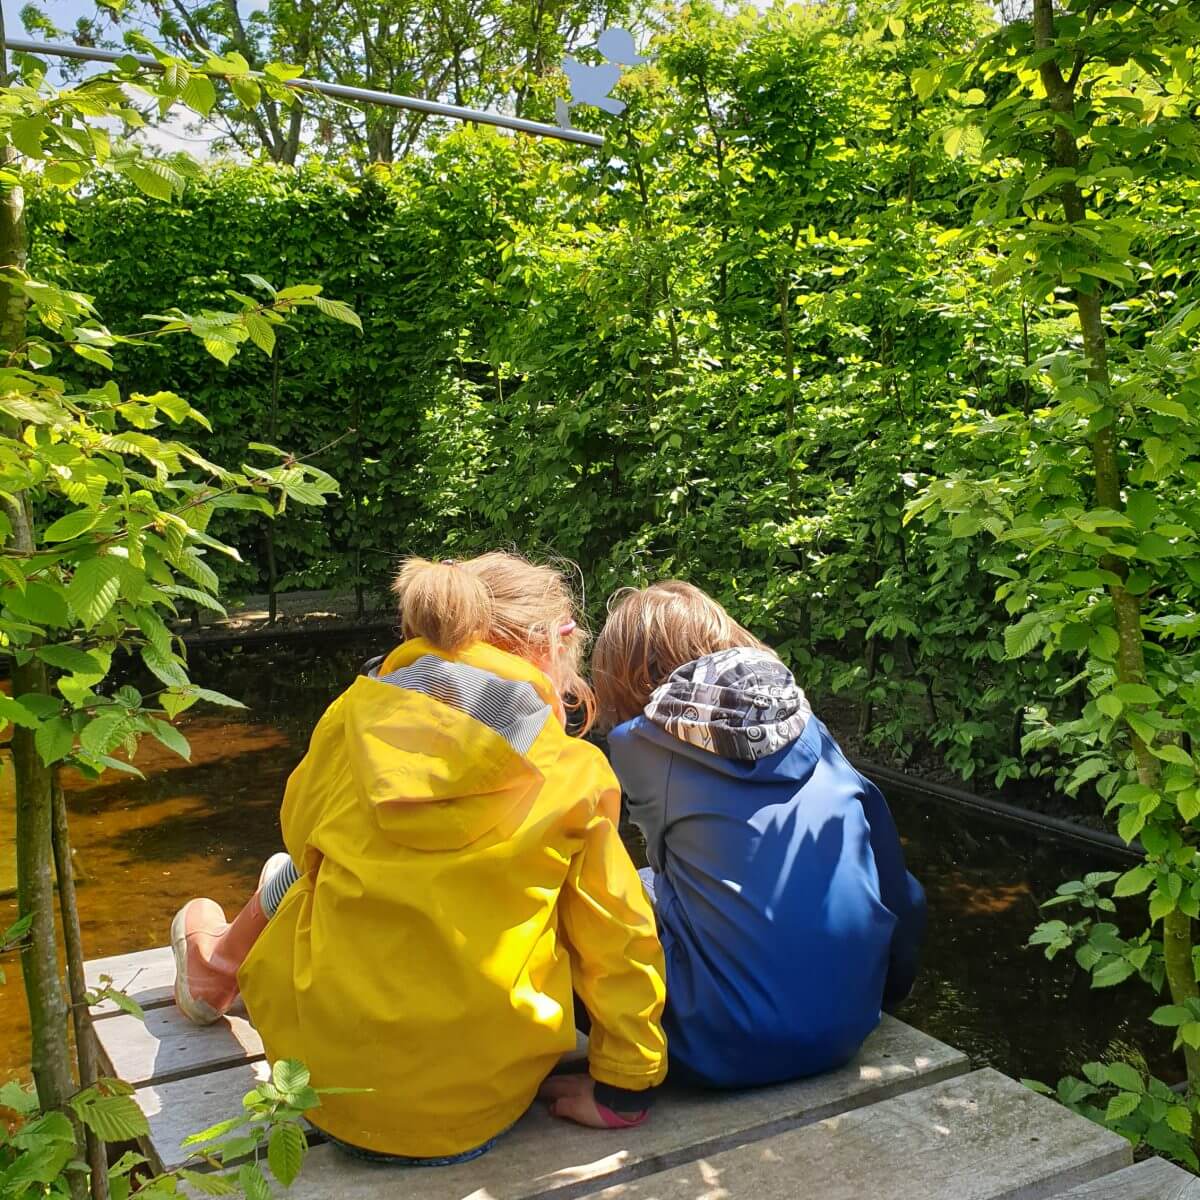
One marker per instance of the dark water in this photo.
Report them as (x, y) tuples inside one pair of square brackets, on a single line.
[(204, 827)]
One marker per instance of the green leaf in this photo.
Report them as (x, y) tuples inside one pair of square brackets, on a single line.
[(1131, 824), (16, 713), (1188, 803), (72, 525), (103, 733), (1134, 882), (1179, 1118), (171, 738), (199, 94), (213, 697), (924, 82), (246, 90), (1142, 508), (165, 667), (1020, 639), (71, 658), (1189, 1034), (261, 332), (1171, 1015), (1136, 693), (112, 1118), (1169, 752), (1122, 1075), (42, 603), (28, 133), (219, 1130), (203, 599), (253, 1183), (208, 1183), (1165, 407), (338, 311), (94, 589), (54, 740), (1053, 178), (285, 1152), (1115, 971), (93, 354), (288, 1075), (259, 282), (156, 180), (1121, 1106)]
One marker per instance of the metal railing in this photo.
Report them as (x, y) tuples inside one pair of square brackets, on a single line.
[(338, 91)]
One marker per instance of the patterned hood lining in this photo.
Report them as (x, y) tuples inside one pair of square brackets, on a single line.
[(741, 704)]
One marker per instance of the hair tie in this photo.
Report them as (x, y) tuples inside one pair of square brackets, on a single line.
[(449, 562), (567, 628)]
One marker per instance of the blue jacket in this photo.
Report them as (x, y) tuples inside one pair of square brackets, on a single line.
[(784, 907)]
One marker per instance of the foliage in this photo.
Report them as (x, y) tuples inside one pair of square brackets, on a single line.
[(39, 1152), (1081, 123)]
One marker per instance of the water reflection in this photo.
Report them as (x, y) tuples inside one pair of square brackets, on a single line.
[(204, 827)]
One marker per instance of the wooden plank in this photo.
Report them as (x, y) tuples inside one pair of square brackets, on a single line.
[(147, 976), (1154, 1179), (167, 1046), (545, 1157), (185, 1106), (977, 1137)]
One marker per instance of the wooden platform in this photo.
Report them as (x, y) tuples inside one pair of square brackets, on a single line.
[(907, 1120)]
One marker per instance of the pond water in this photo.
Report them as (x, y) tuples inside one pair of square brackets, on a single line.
[(204, 827)]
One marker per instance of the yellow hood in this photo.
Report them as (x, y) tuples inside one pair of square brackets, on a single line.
[(434, 776)]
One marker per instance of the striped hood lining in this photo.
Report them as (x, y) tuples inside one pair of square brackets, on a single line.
[(511, 708)]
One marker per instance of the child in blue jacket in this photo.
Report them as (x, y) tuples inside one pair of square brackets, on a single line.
[(783, 903)]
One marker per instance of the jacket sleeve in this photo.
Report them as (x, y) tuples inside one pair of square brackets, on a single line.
[(643, 777), (616, 958), (900, 893)]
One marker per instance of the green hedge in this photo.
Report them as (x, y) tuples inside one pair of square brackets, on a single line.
[(731, 351)]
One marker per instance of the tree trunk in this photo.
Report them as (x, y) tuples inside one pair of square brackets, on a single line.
[(85, 1044), (1131, 667), (51, 1060)]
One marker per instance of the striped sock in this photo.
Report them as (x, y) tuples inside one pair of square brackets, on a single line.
[(273, 891)]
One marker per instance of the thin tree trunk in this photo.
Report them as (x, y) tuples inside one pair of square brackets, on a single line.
[(1131, 667), (272, 434), (51, 1059), (85, 1044)]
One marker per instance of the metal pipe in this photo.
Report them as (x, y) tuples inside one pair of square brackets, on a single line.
[(337, 90), (1000, 810)]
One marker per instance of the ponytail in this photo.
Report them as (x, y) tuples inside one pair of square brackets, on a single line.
[(503, 599), (441, 602)]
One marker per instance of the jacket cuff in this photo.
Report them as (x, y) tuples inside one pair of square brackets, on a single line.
[(624, 1100)]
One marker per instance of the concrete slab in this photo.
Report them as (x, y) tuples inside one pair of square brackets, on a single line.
[(544, 1156), (147, 976), (1154, 1179), (167, 1046), (978, 1137)]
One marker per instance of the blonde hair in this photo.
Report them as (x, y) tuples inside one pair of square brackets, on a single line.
[(649, 633), (525, 608)]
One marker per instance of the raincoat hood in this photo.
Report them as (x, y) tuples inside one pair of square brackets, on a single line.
[(441, 776), (739, 712)]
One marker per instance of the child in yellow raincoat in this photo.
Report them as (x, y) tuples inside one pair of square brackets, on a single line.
[(453, 877)]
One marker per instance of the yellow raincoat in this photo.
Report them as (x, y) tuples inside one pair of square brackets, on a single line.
[(458, 880)]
